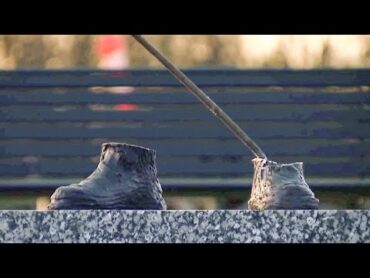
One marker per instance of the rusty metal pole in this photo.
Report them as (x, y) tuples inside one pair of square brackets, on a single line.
[(207, 102)]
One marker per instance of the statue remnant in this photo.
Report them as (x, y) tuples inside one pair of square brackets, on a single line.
[(280, 186), (275, 186), (126, 178)]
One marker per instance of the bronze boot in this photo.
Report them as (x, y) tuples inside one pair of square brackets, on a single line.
[(126, 178), (280, 186)]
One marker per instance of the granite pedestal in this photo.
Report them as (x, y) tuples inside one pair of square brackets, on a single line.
[(197, 226)]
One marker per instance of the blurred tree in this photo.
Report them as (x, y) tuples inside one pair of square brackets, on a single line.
[(325, 57), (190, 50), (82, 52), (25, 51), (61, 51), (40, 51)]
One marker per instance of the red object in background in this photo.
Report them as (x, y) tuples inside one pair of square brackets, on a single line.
[(109, 43), (112, 54), (126, 107)]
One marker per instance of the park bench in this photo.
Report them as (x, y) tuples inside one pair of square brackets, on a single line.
[(54, 121)]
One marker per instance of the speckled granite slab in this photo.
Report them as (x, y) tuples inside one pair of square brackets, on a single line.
[(220, 226)]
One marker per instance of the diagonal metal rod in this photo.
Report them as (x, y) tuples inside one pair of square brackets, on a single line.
[(207, 102)]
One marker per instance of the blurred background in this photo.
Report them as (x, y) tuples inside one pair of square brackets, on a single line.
[(242, 51), (238, 51)]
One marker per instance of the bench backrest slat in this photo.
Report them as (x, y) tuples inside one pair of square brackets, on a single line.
[(69, 97), (207, 77), (52, 122)]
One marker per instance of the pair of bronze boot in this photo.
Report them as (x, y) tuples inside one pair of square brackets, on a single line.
[(126, 178)]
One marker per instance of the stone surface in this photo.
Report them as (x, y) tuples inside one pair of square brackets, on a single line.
[(280, 186), (126, 178), (166, 226)]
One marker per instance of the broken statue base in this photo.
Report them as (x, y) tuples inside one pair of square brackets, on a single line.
[(126, 178), (280, 186)]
